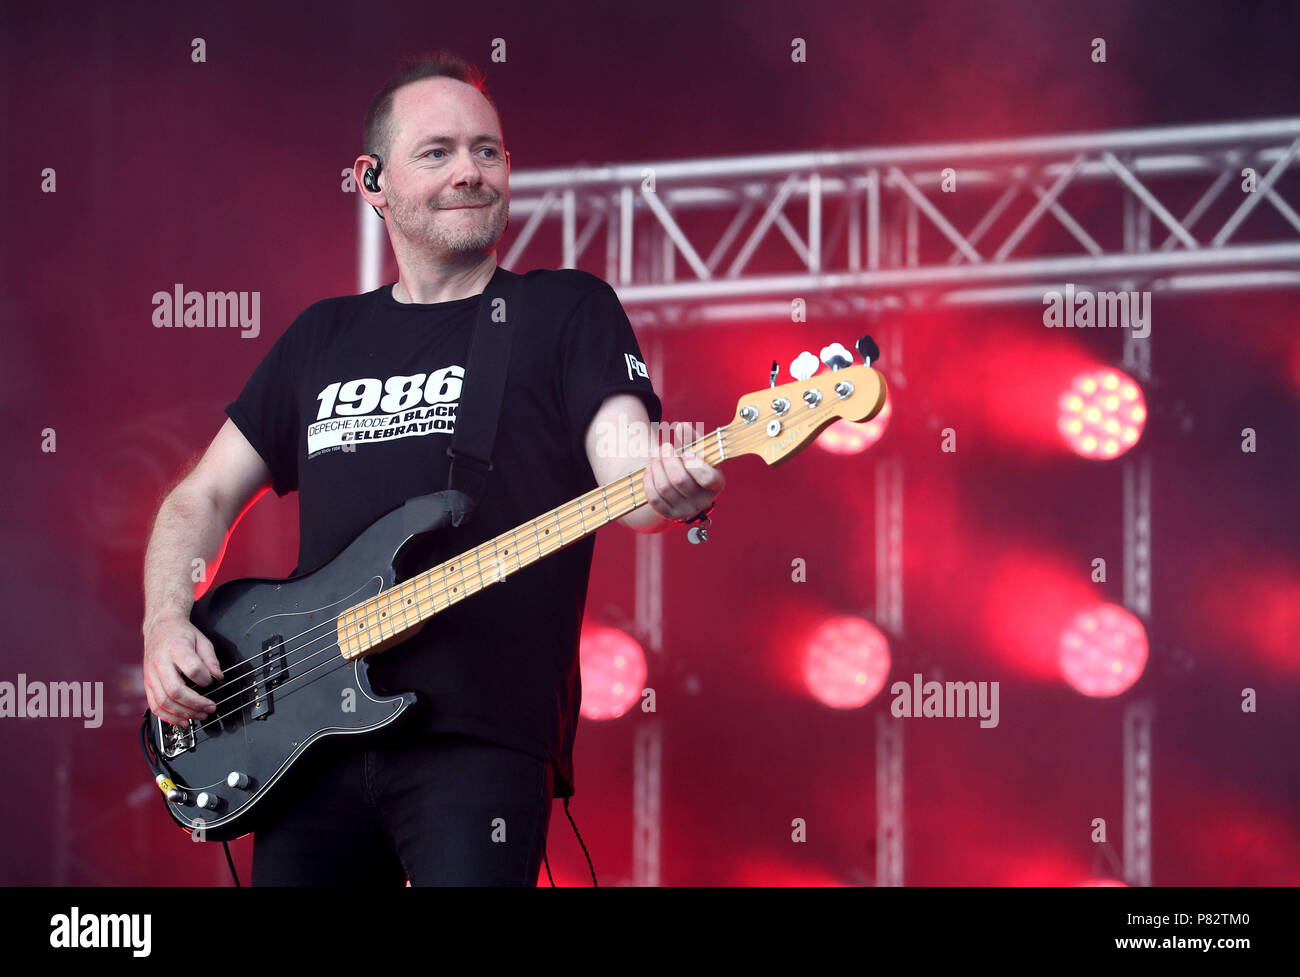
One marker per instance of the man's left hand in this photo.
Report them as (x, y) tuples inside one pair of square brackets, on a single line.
[(679, 487)]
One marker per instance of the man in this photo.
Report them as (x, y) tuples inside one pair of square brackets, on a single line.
[(465, 798)]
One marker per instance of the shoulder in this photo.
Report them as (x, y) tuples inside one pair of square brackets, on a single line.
[(566, 287), (328, 315)]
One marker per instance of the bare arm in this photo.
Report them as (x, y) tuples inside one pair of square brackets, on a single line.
[(192, 524), (619, 441)]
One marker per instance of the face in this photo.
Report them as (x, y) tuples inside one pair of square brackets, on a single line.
[(447, 181)]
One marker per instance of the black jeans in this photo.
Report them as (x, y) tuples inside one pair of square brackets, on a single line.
[(437, 808)]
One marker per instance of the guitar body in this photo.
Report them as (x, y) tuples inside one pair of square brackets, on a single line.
[(286, 685)]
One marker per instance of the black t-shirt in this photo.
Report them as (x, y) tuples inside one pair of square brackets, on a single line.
[(502, 664)]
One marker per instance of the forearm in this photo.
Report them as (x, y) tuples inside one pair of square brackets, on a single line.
[(646, 520), (189, 528)]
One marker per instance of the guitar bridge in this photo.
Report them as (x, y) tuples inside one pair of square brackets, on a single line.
[(174, 740), (270, 673)]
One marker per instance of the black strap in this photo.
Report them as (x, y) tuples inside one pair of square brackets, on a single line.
[(500, 310)]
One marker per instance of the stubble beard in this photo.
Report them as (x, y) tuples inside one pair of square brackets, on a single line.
[(422, 225)]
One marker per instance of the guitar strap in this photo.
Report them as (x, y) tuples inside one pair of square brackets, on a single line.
[(500, 312)]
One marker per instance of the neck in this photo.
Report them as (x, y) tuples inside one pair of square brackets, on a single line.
[(443, 280), (383, 621)]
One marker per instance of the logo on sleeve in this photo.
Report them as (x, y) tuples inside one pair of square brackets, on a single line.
[(635, 368)]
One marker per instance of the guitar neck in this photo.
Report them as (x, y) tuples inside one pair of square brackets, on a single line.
[(389, 618)]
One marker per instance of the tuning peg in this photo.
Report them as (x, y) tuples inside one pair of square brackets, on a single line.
[(836, 356), (804, 366), (868, 350), (771, 378)]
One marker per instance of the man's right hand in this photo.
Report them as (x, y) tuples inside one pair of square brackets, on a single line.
[(173, 650)]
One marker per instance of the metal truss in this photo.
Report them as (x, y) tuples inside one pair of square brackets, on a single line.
[(889, 801), (851, 231), (1138, 720)]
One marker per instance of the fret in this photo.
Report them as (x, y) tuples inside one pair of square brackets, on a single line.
[(432, 580), (559, 532), (582, 518), (478, 567), (537, 540)]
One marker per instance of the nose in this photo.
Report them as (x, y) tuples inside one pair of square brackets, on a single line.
[(466, 173)]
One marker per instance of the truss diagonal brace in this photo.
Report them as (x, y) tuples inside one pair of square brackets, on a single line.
[(1149, 201), (679, 239), (1247, 205), (1040, 208), (764, 222), (897, 178)]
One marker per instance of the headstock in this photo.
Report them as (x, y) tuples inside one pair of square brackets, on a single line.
[(779, 422)]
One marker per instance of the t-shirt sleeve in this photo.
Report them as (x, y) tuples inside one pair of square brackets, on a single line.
[(601, 357), (266, 412)]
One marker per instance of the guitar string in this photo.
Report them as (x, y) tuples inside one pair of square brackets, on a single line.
[(625, 492), (622, 493), (231, 669), (619, 492), (601, 493), (554, 512)]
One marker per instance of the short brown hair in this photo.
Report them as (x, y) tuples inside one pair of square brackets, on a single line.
[(377, 136)]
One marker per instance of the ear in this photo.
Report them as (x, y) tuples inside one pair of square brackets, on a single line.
[(359, 168)]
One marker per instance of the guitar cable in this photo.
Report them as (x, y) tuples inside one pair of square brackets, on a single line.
[(231, 862), (591, 868), (152, 760)]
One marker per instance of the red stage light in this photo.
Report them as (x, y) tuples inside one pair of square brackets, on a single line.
[(613, 672), (846, 662), (849, 437), (1102, 414), (1103, 651)]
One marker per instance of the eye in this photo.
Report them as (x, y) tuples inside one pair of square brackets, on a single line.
[(489, 149), (435, 150)]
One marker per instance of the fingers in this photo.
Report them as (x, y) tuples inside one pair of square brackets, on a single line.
[(180, 700), (705, 475), (208, 655), (679, 487), (185, 656), (171, 699), (158, 710), (669, 476)]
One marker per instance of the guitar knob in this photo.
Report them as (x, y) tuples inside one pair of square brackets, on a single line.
[(237, 780), (804, 366), (836, 356), (209, 802)]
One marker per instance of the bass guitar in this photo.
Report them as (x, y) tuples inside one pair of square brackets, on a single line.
[(292, 650)]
